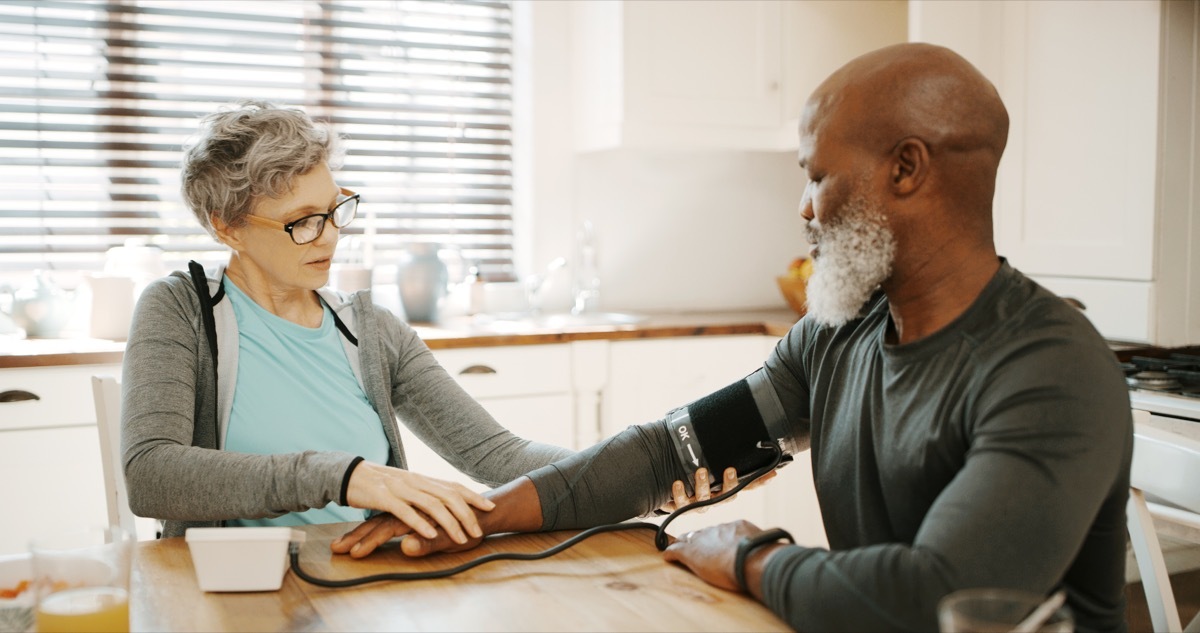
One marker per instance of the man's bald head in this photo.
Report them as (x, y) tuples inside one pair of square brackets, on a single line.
[(916, 90)]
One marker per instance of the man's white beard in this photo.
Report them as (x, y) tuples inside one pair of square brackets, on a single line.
[(856, 251)]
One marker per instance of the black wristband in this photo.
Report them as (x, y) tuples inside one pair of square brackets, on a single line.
[(749, 544), (346, 479)]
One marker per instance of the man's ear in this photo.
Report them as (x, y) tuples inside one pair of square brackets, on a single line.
[(910, 165), (225, 233)]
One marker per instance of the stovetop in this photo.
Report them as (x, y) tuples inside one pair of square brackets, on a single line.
[(1169, 385), (1177, 374)]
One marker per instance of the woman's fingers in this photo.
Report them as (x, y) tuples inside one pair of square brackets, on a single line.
[(413, 519), (436, 510)]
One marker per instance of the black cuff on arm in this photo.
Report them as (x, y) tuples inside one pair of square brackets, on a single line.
[(346, 480)]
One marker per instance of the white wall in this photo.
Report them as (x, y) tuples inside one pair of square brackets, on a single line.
[(677, 230)]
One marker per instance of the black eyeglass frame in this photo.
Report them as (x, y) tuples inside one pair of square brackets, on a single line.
[(325, 217)]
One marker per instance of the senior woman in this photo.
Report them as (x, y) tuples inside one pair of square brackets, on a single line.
[(255, 396)]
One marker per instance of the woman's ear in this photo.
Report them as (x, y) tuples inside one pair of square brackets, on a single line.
[(225, 233), (910, 165)]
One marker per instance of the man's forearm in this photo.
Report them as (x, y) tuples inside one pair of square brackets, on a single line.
[(518, 508)]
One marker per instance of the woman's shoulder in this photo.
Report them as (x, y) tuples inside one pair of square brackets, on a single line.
[(174, 287)]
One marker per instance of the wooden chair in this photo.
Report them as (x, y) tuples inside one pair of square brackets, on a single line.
[(106, 392), (1166, 467)]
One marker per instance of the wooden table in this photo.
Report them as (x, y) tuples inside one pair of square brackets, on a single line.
[(612, 582)]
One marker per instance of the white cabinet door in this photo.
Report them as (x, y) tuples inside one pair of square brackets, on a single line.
[(703, 63), (1096, 195), (1081, 85), (527, 388), (543, 418), (62, 396), (723, 74), (50, 453), (647, 378), (52, 480)]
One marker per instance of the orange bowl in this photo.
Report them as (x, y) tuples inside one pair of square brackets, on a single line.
[(794, 291)]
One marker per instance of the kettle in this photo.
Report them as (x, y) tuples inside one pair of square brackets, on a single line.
[(43, 309)]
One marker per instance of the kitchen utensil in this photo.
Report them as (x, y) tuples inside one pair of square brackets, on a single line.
[(112, 306), (43, 308), (422, 281)]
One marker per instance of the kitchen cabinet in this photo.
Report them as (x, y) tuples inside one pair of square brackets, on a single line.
[(649, 377), (50, 453), (1096, 196), (711, 74), (526, 388)]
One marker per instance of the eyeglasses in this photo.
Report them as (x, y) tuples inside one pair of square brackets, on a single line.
[(310, 227)]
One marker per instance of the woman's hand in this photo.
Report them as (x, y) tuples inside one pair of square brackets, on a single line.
[(703, 491), (415, 500), (381, 528), (517, 510)]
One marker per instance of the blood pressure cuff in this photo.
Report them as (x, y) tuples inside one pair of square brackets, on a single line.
[(724, 428)]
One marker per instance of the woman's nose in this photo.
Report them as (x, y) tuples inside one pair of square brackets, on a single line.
[(329, 233)]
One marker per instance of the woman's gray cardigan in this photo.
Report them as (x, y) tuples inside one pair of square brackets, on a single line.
[(175, 409)]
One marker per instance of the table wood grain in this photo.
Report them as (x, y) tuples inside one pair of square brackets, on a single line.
[(615, 581)]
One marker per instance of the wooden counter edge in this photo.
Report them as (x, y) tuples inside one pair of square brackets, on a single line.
[(659, 326)]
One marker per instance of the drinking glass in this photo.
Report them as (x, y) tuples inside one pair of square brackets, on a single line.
[(996, 611), (81, 580)]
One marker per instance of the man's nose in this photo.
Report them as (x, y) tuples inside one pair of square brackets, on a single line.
[(806, 210)]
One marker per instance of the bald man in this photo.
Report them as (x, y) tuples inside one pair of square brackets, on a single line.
[(967, 427)]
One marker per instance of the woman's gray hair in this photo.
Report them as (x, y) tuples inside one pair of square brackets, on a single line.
[(252, 150)]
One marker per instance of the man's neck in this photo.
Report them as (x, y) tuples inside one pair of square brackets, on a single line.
[(925, 296)]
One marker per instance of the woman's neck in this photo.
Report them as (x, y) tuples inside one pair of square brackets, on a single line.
[(301, 306)]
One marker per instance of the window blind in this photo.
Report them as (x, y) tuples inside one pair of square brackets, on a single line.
[(98, 97)]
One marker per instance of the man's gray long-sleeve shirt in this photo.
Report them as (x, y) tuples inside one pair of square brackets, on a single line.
[(993, 453), (174, 412)]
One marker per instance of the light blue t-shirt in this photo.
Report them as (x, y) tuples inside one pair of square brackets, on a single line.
[(295, 392)]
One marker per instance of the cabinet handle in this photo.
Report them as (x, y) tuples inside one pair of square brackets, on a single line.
[(17, 395), (477, 369)]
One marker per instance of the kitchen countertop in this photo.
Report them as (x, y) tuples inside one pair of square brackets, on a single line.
[(458, 333)]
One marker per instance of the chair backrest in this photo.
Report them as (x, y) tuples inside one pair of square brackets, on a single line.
[(1166, 466), (106, 392)]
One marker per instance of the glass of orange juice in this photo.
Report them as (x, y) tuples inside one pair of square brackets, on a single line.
[(81, 580)]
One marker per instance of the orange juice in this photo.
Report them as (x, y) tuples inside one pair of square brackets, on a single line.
[(84, 610)]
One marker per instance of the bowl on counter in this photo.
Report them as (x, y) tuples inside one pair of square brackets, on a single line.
[(16, 594), (794, 290)]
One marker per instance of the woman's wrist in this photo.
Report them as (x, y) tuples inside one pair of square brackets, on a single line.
[(345, 493)]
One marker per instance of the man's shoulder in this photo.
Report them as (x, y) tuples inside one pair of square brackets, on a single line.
[(1030, 310)]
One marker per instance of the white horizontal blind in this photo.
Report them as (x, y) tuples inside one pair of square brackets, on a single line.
[(98, 97)]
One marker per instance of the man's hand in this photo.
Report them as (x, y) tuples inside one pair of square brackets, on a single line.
[(710, 554), (703, 491), (381, 528)]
